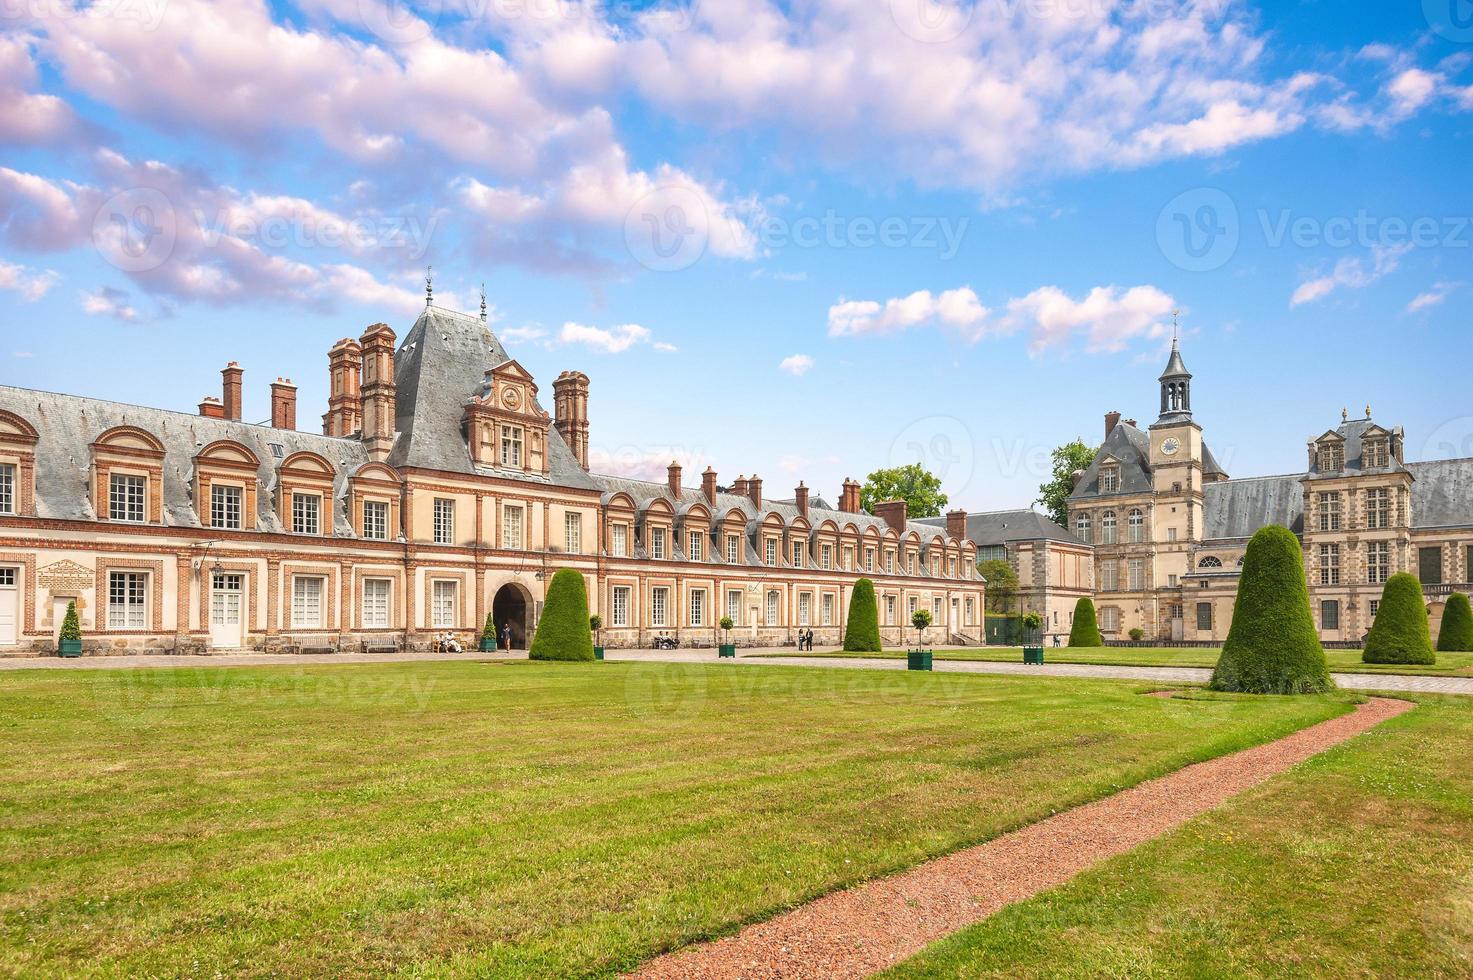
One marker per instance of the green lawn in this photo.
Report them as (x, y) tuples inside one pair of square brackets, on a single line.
[(1344, 661), (521, 819), (1358, 863)]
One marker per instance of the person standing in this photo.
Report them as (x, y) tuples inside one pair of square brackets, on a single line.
[(506, 637)]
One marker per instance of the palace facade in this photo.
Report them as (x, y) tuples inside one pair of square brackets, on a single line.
[(439, 492)]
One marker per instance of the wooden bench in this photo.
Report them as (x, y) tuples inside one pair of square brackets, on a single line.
[(380, 646), (312, 645)]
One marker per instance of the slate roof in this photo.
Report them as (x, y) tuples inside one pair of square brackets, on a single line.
[(992, 528), (1354, 433), (1442, 495), (1239, 508), (1132, 448)]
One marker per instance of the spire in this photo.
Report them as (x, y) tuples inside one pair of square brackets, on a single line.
[(1176, 382), (483, 302), (429, 286)]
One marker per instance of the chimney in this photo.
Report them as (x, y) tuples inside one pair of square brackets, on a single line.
[(283, 404), (672, 479), (345, 389), (570, 411), (211, 408), (849, 497), (956, 524), (379, 399), (893, 513), (754, 490), (740, 486), (232, 376), (800, 497), (708, 486), (1112, 419), (1132, 423)]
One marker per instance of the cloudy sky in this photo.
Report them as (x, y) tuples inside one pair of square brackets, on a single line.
[(805, 239)]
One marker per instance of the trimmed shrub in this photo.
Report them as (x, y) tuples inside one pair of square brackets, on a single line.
[(862, 634), (1137, 634), (563, 632), (1272, 647), (1456, 635), (1401, 633), (1086, 629), (488, 632), (921, 620), (71, 625)]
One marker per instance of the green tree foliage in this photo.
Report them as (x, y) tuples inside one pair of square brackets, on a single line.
[(1456, 635), (912, 483), (862, 634), (563, 632), (920, 619), (1086, 629), (1401, 633), (1272, 647), (488, 632), (1054, 495), (71, 625), (1002, 584)]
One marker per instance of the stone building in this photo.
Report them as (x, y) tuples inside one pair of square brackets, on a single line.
[(439, 492)]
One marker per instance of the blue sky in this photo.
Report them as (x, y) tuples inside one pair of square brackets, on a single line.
[(887, 230)]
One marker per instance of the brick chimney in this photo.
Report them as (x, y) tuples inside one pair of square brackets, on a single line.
[(740, 486), (1132, 423), (956, 524), (893, 513), (708, 486), (211, 407), (672, 479), (345, 389), (800, 497), (754, 490), (283, 404), (1112, 419), (379, 393), (232, 377), (570, 411), (849, 497)]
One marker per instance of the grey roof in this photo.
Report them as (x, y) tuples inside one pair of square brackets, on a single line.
[(67, 425), (1442, 495), (999, 527), (440, 364), (1239, 508), (1132, 448), (1176, 367), (1354, 433)]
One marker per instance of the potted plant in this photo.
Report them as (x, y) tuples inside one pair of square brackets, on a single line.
[(488, 636), (727, 649), (1032, 638), (596, 623), (70, 641), (919, 659)]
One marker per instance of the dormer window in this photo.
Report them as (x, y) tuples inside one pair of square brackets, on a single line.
[(7, 489), (1332, 458), (1377, 455), (657, 542), (1109, 479), (511, 446), (126, 497)]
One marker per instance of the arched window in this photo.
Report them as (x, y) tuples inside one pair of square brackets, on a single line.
[(1137, 527), (1083, 528), (1108, 532), (1210, 562)]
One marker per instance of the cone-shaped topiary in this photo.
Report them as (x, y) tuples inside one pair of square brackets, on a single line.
[(563, 632), (862, 634), (1272, 647), (1086, 629), (488, 632), (71, 625), (1400, 634), (1456, 635)]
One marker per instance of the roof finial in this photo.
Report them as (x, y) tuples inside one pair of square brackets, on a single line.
[(1175, 328), (429, 285), (483, 302), (1345, 414), (1368, 413)]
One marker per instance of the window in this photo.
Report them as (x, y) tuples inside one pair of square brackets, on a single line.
[(619, 540), (444, 521), (1375, 608), (869, 559), (828, 609), (992, 552), (1211, 561), (376, 520), (1378, 562), (1137, 523), (694, 551), (698, 607), (889, 610), (1329, 564), (770, 551), (1204, 617), (889, 563), (1429, 565), (826, 557), (125, 498), (1330, 614), (126, 592), (659, 601), (734, 606), (657, 542), (306, 514), (1378, 509), (511, 446), (805, 611), (911, 607), (1082, 529), (306, 603), (573, 533), (444, 598), (225, 506), (772, 599), (1171, 535), (7, 489), (1331, 459), (936, 606), (733, 548), (1108, 531), (7, 577), (1377, 455), (797, 554), (910, 564), (1109, 619), (619, 606), (1109, 575), (376, 603), (1330, 511), (511, 528), (848, 558), (1109, 479), (1137, 573)]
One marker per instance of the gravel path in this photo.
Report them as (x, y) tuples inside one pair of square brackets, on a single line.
[(868, 928)]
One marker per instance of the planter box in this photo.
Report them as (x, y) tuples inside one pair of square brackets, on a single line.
[(598, 653), (726, 650), (69, 648), (487, 646), (1033, 655), (918, 659)]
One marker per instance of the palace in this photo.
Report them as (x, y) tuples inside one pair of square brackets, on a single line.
[(439, 493), (1158, 531)]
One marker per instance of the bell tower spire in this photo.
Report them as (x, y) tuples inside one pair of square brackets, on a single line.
[(1176, 383)]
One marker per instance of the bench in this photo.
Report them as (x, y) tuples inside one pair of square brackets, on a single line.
[(312, 645), (380, 646)]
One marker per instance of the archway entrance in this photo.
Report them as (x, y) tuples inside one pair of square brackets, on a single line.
[(510, 608)]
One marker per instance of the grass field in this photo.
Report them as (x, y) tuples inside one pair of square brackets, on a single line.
[(521, 819), (1358, 863), (1345, 661)]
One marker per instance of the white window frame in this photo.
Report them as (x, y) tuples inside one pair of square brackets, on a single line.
[(773, 608), (376, 603), (128, 498), (805, 610), (619, 596), (826, 607), (619, 540), (797, 554), (376, 520), (769, 551), (573, 532), (511, 446), (657, 542), (7, 488), (693, 552), (734, 606), (733, 548), (698, 607), (307, 602), (512, 530), (659, 607), (444, 604), (306, 519), (127, 600), (444, 521), (227, 507)]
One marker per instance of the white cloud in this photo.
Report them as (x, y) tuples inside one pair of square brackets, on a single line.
[(796, 364), (107, 301), (30, 118), (663, 347), (525, 334), (32, 284), (1433, 297), (1350, 273), (611, 341), (645, 463), (957, 309)]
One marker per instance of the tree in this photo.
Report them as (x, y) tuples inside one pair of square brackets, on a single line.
[(1086, 629), (1456, 635), (563, 633), (71, 624), (1401, 633), (862, 634), (1002, 584), (488, 632), (1272, 646), (912, 483), (1054, 495), (920, 619)]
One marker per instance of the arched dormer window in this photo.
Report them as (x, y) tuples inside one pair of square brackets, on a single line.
[(225, 486), (1211, 561), (18, 440), (128, 476)]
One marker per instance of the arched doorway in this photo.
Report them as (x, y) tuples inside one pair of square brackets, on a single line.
[(510, 608)]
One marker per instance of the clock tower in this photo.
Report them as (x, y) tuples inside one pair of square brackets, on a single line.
[(1176, 440)]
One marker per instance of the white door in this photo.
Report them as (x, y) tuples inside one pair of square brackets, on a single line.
[(9, 605), (225, 618), (58, 615)]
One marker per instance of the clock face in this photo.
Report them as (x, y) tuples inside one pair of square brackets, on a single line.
[(1171, 447)]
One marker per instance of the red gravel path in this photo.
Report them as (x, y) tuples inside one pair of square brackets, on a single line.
[(868, 928)]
